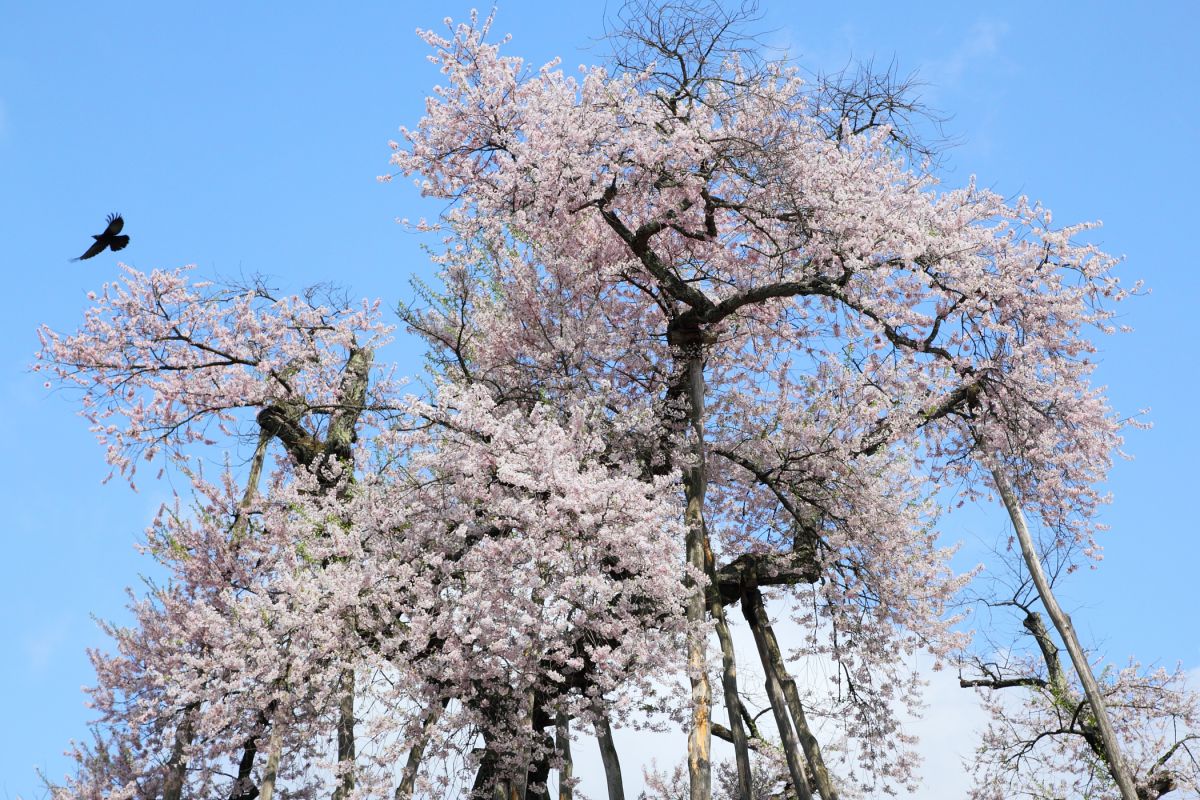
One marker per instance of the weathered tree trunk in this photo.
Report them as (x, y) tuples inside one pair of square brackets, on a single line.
[(1058, 679), (608, 754), (791, 748), (518, 784), (562, 743), (756, 615), (728, 674), (274, 752), (345, 737), (695, 482), (1062, 622)]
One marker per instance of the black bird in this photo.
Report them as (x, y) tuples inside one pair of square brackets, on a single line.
[(107, 239)]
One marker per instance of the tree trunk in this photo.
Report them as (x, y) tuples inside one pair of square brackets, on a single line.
[(485, 775), (728, 674), (345, 737), (695, 485), (562, 743), (1058, 679), (176, 768), (243, 786), (519, 782), (791, 748), (275, 750), (1062, 622), (757, 616), (608, 754), (416, 753)]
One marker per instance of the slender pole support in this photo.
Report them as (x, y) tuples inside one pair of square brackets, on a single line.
[(729, 684), (271, 772), (1062, 623), (757, 616), (791, 748)]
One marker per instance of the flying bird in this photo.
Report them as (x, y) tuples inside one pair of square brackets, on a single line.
[(107, 239)]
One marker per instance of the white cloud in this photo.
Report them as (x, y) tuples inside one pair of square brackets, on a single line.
[(949, 732)]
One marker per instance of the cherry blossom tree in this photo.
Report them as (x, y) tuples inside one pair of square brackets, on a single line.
[(394, 560), (706, 336)]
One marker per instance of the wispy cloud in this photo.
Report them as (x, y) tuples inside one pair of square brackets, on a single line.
[(980, 45)]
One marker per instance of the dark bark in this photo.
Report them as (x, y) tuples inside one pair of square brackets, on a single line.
[(756, 614), (763, 569), (537, 782), (999, 683), (723, 733), (1158, 785), (345, 736), (176, 768), (485, 775), (408, 779), (787, 736), (1037, 628), (562, 743), (243, 785), (283, 422), (608, 755), (538, 776)]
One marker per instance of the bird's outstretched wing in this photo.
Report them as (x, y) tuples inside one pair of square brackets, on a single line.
[(119, 242), (96, 248), (115, 223)]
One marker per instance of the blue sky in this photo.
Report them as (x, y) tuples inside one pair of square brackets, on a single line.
[(247, 139)]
